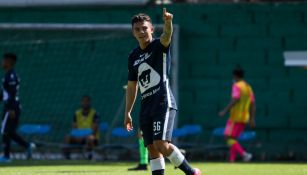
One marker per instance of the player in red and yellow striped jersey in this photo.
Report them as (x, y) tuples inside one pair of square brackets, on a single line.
[(242, 111)]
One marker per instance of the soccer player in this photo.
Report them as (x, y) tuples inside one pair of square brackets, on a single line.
[(242, 111), (85, 118), (143, 154), (12, 109), (149, 66)]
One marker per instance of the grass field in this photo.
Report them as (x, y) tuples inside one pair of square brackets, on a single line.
[(101, 168)]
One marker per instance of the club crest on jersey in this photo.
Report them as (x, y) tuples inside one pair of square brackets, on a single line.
[(143, 57), (147, 77)]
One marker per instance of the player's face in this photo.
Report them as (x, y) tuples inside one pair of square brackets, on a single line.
[(86, 103), (5, 63), (143, 31), (235, 78)]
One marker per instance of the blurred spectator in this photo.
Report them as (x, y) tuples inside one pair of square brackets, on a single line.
[(242, 111), (11, 109), (85, 118)]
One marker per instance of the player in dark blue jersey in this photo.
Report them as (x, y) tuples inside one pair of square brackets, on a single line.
[(149, 66), (11, 112)]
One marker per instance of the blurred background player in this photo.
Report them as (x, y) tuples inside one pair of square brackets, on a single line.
[(149, 66), (143, 154), (12, 109), (242, 110), (85, 118)]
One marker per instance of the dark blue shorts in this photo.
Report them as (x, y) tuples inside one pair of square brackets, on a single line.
[(158, 127)]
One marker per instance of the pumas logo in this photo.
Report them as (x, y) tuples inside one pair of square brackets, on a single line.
[(147, 77)]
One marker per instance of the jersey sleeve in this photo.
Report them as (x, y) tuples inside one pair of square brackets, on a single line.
[(132, 75), (164, 49), (235, 94)]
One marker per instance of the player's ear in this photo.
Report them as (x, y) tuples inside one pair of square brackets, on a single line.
[(152, 28), (132, 31)]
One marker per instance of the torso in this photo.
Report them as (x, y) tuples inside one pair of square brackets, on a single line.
[(151, 67), (10, 90), (240, 112)]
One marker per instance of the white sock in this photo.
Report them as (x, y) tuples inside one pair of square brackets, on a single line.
[(176, 157), (157, 164)]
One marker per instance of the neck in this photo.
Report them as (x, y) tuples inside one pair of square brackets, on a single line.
[(86, 110), (145, 44)]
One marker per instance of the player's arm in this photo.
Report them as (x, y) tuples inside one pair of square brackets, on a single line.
[(131, 93), (74, 122), (252, 112), (166, 36), (1, 95), (95, 124), (232, 102), (235, 98), (12, 85)]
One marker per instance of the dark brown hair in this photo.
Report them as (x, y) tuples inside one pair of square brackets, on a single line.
[(141, 17), (10, 56), (238, 72)]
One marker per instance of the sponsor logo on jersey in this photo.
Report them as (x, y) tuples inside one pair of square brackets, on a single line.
[(143, 57)]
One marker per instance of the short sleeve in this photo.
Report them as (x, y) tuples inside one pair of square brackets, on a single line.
[(164, 49), (235, 94), (132, 75)]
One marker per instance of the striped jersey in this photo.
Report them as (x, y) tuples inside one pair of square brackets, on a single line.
[(240, 112), (150, 67)]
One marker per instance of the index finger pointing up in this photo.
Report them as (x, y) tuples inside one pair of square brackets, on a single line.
[(164, 10)]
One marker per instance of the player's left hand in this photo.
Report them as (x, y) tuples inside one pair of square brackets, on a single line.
[(167, 16)]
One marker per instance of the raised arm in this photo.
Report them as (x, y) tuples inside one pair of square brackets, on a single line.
[(166, 36), (131, 94)]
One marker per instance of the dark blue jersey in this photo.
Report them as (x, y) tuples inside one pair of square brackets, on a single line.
[(10, 88), (150, 67)]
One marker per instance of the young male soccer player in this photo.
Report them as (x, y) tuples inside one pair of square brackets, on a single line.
[(10, 96), (148, 67), (242, 110)]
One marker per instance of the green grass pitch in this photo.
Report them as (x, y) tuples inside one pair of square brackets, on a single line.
[(101, 168)]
